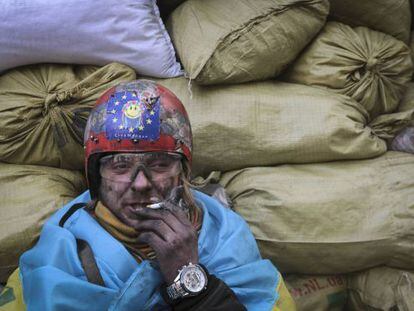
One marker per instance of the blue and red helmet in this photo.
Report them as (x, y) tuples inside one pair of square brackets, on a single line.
[(138, 116)]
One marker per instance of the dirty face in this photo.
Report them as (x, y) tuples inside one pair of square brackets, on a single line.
[(128, 183)]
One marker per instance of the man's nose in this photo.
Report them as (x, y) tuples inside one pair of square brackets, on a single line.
[(141, 181)]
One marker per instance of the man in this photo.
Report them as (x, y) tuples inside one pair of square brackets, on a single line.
[(140, 238)]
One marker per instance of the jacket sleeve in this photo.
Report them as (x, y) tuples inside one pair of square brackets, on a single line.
[(218, 296)]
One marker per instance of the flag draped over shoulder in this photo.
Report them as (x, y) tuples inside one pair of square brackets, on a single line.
[(53, 278)]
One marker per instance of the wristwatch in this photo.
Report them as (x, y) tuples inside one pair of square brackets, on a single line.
[(191, 280)]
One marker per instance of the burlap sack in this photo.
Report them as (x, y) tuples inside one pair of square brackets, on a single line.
[(270, 123), (330, 218), (29, 194), (235, 41), (369, 66), (44, 108), (382, 289), (321, 293), (390, 17)]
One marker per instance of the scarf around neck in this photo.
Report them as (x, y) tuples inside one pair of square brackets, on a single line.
[(128, 236)]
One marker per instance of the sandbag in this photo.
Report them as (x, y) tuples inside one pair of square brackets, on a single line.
[(87, 32), (236, 41), (44, 108), (382, 289), (29, 195), (321, 293), (268, 123), (330, 218), (369, 66), (391, 17)]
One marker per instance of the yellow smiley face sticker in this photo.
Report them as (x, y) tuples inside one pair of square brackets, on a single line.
[(132, 110)]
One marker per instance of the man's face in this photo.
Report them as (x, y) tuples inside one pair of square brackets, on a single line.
[(130, 181)]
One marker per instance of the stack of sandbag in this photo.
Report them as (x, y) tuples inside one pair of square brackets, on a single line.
[(304, 161)]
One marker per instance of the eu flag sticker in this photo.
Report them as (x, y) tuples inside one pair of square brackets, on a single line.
[(133, 115)]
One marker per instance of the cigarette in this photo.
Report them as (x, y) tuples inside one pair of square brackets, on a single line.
[(156, 205)]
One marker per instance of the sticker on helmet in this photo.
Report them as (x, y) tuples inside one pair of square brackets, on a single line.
[(133, 115)]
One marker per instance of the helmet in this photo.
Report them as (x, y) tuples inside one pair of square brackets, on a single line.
[(138, 116)]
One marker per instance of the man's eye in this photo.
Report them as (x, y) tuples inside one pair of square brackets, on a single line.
[(121, 166), (159, 165)]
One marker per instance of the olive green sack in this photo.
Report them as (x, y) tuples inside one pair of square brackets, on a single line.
[(369, 66), (29, 195), (234, 41), (390, 17), (268, 123), (330, 218), (44, 108), (381, 289)]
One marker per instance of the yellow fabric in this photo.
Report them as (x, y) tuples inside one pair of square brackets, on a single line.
[(285, 301), (123, 233), (11, 297)]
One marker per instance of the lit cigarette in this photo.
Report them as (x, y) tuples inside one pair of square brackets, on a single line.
[(156, 205)]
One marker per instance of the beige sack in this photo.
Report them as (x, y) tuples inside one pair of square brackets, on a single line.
[(369, 66), (330, 218), (390, 17), (29, 194), (382, 289), (44, 108), (270, 123), (317, 293), (236, 41)]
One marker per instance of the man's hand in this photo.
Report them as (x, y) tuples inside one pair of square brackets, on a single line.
[(172, 236)]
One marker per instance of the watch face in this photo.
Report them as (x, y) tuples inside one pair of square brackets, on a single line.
[(193, 279)]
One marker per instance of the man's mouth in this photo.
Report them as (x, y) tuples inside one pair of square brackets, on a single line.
[(143, 204)]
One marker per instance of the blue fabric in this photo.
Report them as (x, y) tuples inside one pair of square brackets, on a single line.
[(53, 278)]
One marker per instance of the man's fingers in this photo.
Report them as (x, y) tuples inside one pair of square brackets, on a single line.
[(158, 226), (153, 240), (174, 219), (178, 213)]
